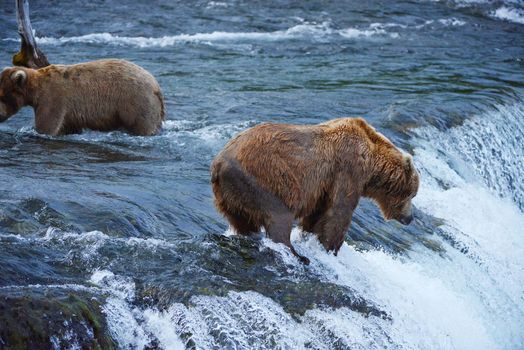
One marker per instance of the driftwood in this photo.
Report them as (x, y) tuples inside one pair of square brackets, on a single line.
[(30, 55)]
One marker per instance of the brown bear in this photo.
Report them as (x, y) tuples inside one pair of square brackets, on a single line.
[(271, 174), (100, 95)]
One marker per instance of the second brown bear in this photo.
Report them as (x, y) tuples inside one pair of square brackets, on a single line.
[(100, 95)]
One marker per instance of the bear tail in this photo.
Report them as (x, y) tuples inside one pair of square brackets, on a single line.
[(215, 170), (160, 97)]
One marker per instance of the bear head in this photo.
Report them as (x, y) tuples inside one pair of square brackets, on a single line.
[(13, 82), (393, 186)]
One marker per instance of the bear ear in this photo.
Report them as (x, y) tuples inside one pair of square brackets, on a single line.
[(19, 77), (408, 161)]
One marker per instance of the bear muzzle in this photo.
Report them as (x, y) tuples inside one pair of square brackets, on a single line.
[(3, 112), (406, 220)]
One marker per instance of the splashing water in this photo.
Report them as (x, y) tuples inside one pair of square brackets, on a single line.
[(107, 239), (308, 31), (470, 297)]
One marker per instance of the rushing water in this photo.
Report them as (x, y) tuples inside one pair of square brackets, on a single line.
[(111, 240)]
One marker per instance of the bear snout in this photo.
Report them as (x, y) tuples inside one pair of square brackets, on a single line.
[(406, 220), (3, 114)]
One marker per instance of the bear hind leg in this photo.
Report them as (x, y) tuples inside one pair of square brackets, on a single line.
[(242, 224), (236, 197), (279, 228), (139, 121), (238, 192)]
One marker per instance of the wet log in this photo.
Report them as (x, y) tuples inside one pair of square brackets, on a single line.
[(29, 55)]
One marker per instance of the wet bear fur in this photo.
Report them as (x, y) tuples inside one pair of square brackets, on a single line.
[(272, 174), (100, 95)]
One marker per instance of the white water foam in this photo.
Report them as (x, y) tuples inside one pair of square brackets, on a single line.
[(68, 286), (300, 31), (478, 190), (315, 31), (245, 320), (506, 12), (130, 327), (451, 22), (123, 326), (473, 181), (211, 134), (385, 29), (487, 148), (216, 4), (312, 30), (92, 241), (509, 14), (375, 29)]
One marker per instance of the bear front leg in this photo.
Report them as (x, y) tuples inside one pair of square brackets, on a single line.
[(49, 120), (308, 223), (332, 227), (333, 224)]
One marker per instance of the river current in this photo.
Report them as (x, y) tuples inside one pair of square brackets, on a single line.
[(111, 240)]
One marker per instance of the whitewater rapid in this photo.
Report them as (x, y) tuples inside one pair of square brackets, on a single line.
[(126, 226), (306, 30), (468, 296)]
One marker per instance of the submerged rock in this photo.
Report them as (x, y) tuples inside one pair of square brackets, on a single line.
[(52, 318)]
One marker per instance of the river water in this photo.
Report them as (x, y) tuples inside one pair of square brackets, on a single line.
[(111, 240)]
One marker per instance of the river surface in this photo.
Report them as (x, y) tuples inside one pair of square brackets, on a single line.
[(111, 240)]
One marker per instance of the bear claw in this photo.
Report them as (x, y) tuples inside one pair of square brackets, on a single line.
[(303, 259)]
